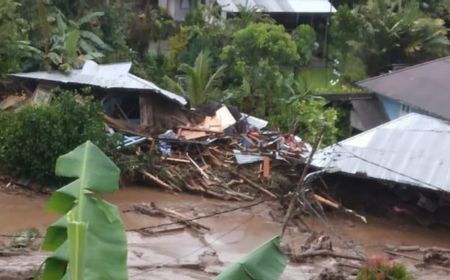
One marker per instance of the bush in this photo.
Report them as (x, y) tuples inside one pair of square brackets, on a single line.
[(306, 117), (32, 138), (304, 37), (382, 269)]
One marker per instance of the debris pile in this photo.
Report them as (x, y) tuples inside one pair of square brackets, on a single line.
[(226, 156)]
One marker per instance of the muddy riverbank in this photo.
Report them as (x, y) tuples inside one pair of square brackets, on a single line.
[(188, 255)]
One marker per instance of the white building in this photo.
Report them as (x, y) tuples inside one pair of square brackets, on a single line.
[(178, 9)]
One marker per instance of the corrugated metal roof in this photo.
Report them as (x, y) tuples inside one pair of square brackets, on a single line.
[(108, 76), (424, 86), (413, 149), (280, 6)]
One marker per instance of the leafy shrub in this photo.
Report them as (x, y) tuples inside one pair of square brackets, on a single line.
[(382, 269), (306, 117), (32, 138), (304, 36), (261, 40)]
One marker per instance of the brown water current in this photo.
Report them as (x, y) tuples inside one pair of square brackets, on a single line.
[(232, 235)]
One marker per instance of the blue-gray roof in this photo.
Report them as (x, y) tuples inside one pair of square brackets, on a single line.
[(413, 149), (423, 86), (108, 76)]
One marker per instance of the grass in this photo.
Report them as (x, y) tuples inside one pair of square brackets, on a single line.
[(323, 81)]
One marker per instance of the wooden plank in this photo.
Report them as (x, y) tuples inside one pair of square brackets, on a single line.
[(200, 129), (197, 167), (180, 217), (157, 181), (266, 167), (326, 201), (256, 186), (146, 112), (175, 159)]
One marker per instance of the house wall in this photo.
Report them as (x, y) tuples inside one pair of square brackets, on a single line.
[(395, 109), (391, 107), (177, 9)]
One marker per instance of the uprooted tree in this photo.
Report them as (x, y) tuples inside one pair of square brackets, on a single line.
[(89, 240)]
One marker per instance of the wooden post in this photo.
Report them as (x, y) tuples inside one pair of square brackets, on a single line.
[(146, 112), (266, 167), (300, 183)]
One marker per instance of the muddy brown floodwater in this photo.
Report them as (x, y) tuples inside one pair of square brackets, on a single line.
[(178, 255)]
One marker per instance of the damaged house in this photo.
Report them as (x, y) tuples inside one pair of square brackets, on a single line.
[(130, 103), (399, 168)]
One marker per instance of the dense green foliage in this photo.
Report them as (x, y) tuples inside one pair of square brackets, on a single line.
[(14, 44), (304, 37), (381, 33), (258, 56), (308, 117), (32, 138)]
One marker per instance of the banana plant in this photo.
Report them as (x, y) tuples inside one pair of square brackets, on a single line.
[(200, 83), (266, 262), (89, 240)]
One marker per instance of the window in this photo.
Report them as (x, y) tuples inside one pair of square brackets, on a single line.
[(404, 109)]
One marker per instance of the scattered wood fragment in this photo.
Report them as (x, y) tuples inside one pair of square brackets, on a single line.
[(202, 172), (266, 167), (335, 205), (403, 255), (325, 253), (153, 210), (234, 182), (181, 160), (256, 186), (199, 129), (407, 248), (145, 210), (349, 265), (439, 249), (433, 266), (149, 232), (179, 217), (157, 181), (326, 201), (414, 248)]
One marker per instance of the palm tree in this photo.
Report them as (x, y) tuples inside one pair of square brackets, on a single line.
[(197, 80)]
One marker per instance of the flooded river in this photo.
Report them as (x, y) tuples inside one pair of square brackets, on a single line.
[(232, 235)]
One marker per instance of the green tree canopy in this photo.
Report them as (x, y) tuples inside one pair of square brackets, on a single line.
[(382, 33), (262, 41), (258, 56)]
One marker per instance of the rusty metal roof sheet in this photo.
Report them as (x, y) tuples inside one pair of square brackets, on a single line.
[(108, 76), (412, 149), (280, 6), (424, 86)]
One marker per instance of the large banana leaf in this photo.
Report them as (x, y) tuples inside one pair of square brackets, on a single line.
[(89, 242), (265, 263)]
